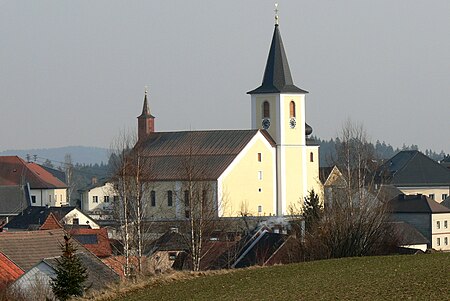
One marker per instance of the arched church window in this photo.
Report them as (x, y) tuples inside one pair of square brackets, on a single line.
[(311, 157), (266, 109), (292, 109)]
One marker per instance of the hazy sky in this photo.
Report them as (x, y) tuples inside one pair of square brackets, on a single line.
[(73, 72)]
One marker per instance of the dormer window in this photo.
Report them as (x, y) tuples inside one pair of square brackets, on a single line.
[(266, 109)]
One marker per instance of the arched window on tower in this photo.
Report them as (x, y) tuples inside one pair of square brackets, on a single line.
[(292, 109), (266, 110)]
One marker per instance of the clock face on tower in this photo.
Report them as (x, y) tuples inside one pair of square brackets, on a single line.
[(265, 123), (292, 123)]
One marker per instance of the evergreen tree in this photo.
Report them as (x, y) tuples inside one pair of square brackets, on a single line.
[(70, 273), (312, 210)]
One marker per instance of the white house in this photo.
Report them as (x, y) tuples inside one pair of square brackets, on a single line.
[(430, 218), (98, 198)]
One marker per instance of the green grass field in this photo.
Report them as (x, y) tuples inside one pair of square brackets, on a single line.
[(412, 277)]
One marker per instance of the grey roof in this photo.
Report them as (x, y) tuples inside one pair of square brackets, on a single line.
[(100, 182), (277, 75), (13, 199), (36, 215), (446, 202), (99, 274), (169, 241), (203, 154), (412, 168), (388, 192), (28, 248), (408, 234), (416, 204)]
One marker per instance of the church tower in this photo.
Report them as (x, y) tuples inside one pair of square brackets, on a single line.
[(278, 106), (146, 121)]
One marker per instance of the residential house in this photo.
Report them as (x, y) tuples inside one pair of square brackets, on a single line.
[(333, 182), (26, 249), (276, 159), (163, 252), (33, 218), (99, 274), (430, 218), (412, 172), (45, 188), (97, 198)]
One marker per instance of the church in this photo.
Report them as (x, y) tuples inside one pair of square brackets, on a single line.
[(262, 171)]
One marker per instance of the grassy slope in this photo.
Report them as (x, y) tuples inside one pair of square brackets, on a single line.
[(414, 277)]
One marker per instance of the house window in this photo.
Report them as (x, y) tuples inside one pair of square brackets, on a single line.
[(115, 198), (260, 175), (259, 157), (259, 189), (259, 208), (292, 109), (50, 198), (311, 157), (431, 196), (106, 198), (169, 198), (438, 224), (446, 240), (75, 221), (95, 199), (172, 255), (444, 196), (153, 198), (438, 241), (186, 198), (266, 109), (445, 224), (33, 199)]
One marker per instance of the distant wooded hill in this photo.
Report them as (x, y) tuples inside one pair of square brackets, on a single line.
[(381, 150), (80, 154)]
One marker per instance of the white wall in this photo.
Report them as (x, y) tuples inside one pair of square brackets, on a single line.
[(101, 192), (50, 197), (82, 219), (441, 232)]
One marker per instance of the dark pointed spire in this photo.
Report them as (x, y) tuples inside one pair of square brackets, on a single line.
[(145, 109), (277, 76)]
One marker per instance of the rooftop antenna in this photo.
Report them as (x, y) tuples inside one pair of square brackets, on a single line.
[(276, 13)]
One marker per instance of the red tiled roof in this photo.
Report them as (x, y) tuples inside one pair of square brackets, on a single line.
[(15, 171), (9, 271), (102, 248), (50, 223)]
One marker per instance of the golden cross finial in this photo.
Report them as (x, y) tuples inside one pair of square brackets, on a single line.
[(276, 13), (146, 89)]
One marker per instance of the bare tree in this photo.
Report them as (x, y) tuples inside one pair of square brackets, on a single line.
[(68, 168), (203, 208), (357, 161), (121, 147)]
